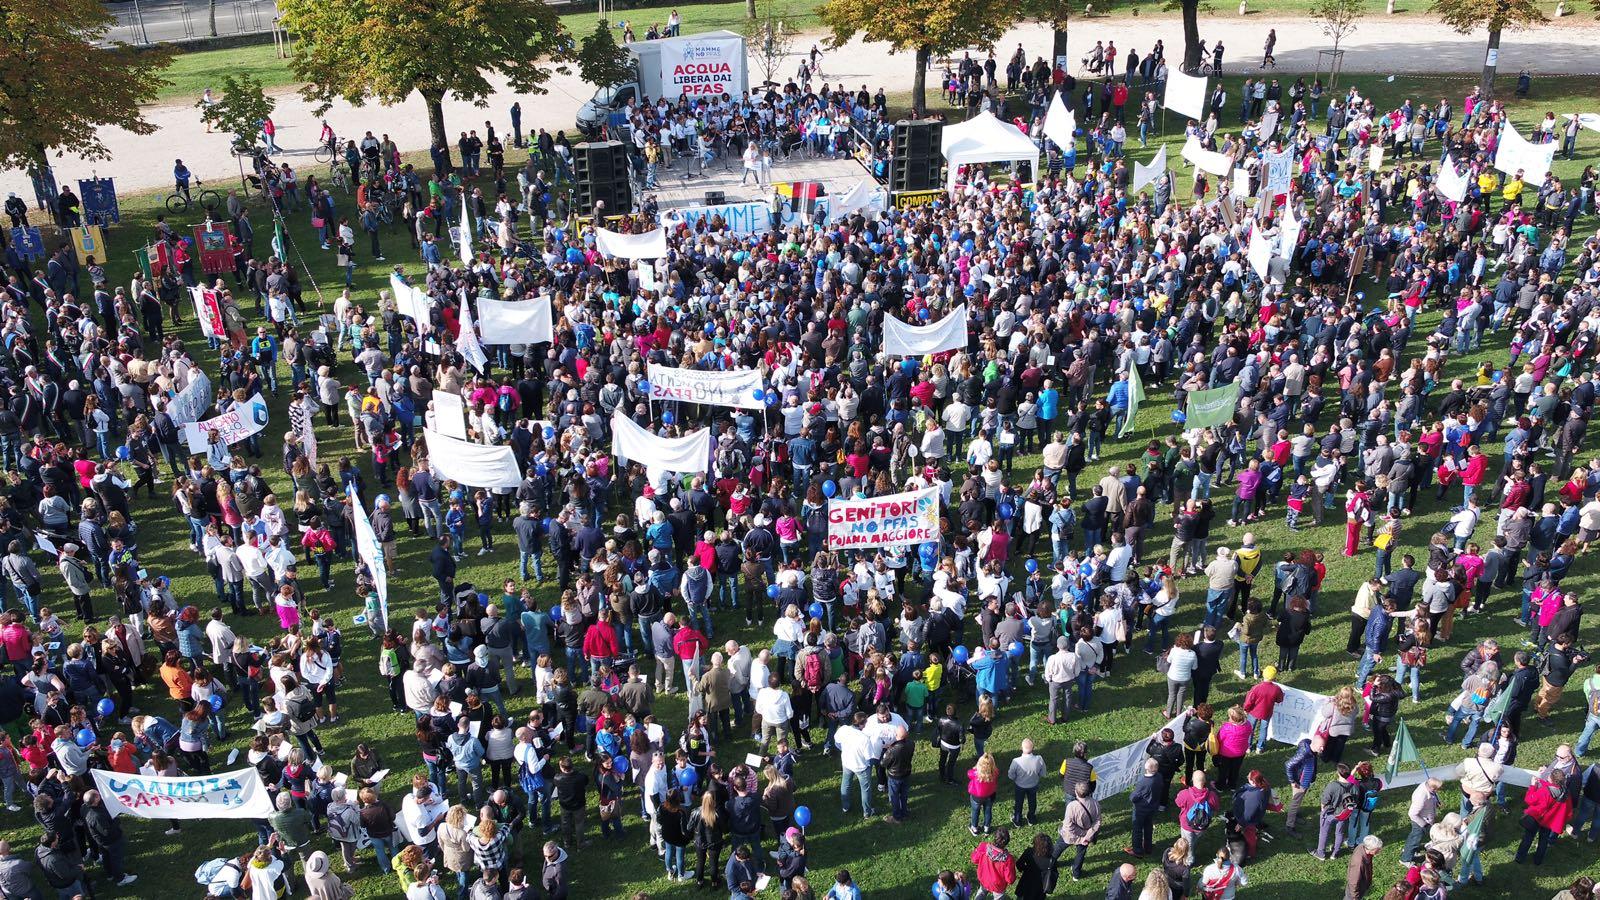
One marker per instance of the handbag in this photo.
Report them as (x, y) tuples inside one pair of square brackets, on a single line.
[(1163, 663), (316, 222)]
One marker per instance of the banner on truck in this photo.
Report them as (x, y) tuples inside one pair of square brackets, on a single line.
[(702, 67), (888, 521)]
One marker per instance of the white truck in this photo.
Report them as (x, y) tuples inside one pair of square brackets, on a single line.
[(702, 65)]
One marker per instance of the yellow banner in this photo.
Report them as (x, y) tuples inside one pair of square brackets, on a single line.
[(89, 241), (915, 199)]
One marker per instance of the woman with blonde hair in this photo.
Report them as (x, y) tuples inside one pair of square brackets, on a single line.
[(1334, 725), (1155, 886), (1175, 867), (455, 846), (982, 783)]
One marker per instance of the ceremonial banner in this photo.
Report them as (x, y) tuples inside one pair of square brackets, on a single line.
[(516, 322), (1206, 409), (190, 403), (1516, 153), (371, 553), (740, 389), (1294, 718), (90, 241), (1143, 174), (892, 520), (479, 465), (1135, 397), (1207, 160), (229, 795), (1116, 771), (211, 246), (1186, 94), (1059, 123), (29, 242), (1451, 183), (208, 309), (240, 422), (450, 414), (949, 333), (650, 245), (99, 198), (685, 455)]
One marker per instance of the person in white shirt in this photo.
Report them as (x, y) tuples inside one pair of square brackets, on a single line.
[(316, 668), (760, 672), (855, 763), (280, 558), (254, 562), (222, 639), (776, 712), (421, 812), (1060, 671)]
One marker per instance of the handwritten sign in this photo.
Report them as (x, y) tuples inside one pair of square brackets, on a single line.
[(229, 795), (888, 521)]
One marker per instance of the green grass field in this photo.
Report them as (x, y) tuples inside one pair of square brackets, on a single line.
[(888, 862)]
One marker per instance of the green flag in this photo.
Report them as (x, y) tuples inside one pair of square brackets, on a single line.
[(1496, 709), (1404, 750), (142, 256), (1472, 839), (1207, 409), (1135, 397), (277, 240)]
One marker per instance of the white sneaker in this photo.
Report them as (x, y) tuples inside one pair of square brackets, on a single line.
[(687, 876), (482, 550), (127, 880), (12, 807), (171, 831)]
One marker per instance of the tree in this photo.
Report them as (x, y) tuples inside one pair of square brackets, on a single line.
[(1338, 20), (382, 50), (769, 40), (1467, 16), (1058, 15), (59, 85), (749, 9), (1191, 35), (240, 111), (601, 60), (925, 27)]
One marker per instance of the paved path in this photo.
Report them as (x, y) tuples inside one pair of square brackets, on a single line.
[(144, 162)]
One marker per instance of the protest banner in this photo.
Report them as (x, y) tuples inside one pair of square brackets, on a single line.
[(189, 404), (1116, 771), (240, 422), (450, 414), (1206, 160), (1206, 409), (516, 322), (371, 553), (891, 520), (739, 389), (1293, 719), (949, 333), (478, 465), (1143, 174), (704, 65), (1185, 95), (467, 343), (1451, 183), (688, 454), (1517, 154), (228, 795), (1280, 171), (650, 245), (1059, 123)]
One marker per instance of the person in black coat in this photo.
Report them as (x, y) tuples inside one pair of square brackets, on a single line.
[(444, 570), (1292, 631), (106, 834)]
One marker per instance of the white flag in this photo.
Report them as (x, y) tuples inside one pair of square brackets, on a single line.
[(467, 343), (1289, 232), (1143, 174), (464, 235), (1059, 123), (1451, 182)]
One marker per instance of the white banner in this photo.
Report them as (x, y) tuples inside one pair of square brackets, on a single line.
[(1186, 94), (1590, 121), (949, 333), (190, 403), (411, 302), (1239, 187), (1289, 232), (891, 520), (516, 322), (1260, 252), (229, 795), (1116, 771), (240, 422), (701, 67), (737, 389), (1059, 123), (1515, 153), (1207, 160), (1143, 174), (464, 233), (479, 465), (863, 196), (1280, 171), (1293, 719), (684, 455), (650, 245), (1452, 184), (467, 337), (450, 415), (371, 553)]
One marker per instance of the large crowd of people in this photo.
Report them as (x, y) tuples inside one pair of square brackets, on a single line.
[(535, 697)]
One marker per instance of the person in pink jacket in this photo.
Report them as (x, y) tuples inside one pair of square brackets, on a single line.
[(1233, 742), (1197, 806)]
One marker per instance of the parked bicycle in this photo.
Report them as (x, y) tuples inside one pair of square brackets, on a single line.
[(180, 201)]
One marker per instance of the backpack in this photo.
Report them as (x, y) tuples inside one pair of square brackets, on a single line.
[(1346, 805), (302, 709), (1198, 817), (811, 675), (1369, 799), (210, 869)]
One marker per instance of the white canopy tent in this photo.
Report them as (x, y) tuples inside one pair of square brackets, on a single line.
[(985, 139)]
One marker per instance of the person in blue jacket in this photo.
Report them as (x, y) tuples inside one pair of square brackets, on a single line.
[(1117, 399), (1302, 773), (992, 671)]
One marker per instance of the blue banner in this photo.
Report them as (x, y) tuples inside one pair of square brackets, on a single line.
[(99, 196), (29, 242)]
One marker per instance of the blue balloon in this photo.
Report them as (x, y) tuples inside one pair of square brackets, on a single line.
[(688, 777), (758, 394), (1032, 565), (381, 498), (772, 591), (923, 314), (123, 452), (216, 703), (961, 655), (106, 707), (772, 398), (816, 610), (802, 816), (829, 489), (549, 432), (620, 764), (644, 386), (1179, 417), (666, 417), (84, 738), (1016, 649)]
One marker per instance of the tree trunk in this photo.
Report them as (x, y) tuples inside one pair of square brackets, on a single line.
[(211, 15), (1058, 47), (750, 9), (919, 83), (1191, 36), (1491, 60), (435, 103)]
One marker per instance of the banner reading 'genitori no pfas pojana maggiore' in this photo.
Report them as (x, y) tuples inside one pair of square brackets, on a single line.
[(228, 795), (888, 521)]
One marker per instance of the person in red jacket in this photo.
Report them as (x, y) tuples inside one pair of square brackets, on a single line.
[(689, 644), (1259, 704), (1545, 814), (600, 643), (1472, 473), (997, 868)]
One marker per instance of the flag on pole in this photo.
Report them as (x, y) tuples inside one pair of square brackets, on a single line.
[(142, 257), (1059, 123), (278, 243), (464, 234), (467, 343), (1135, 397), (1403, 750), (1472, 839), (1496, 710)]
